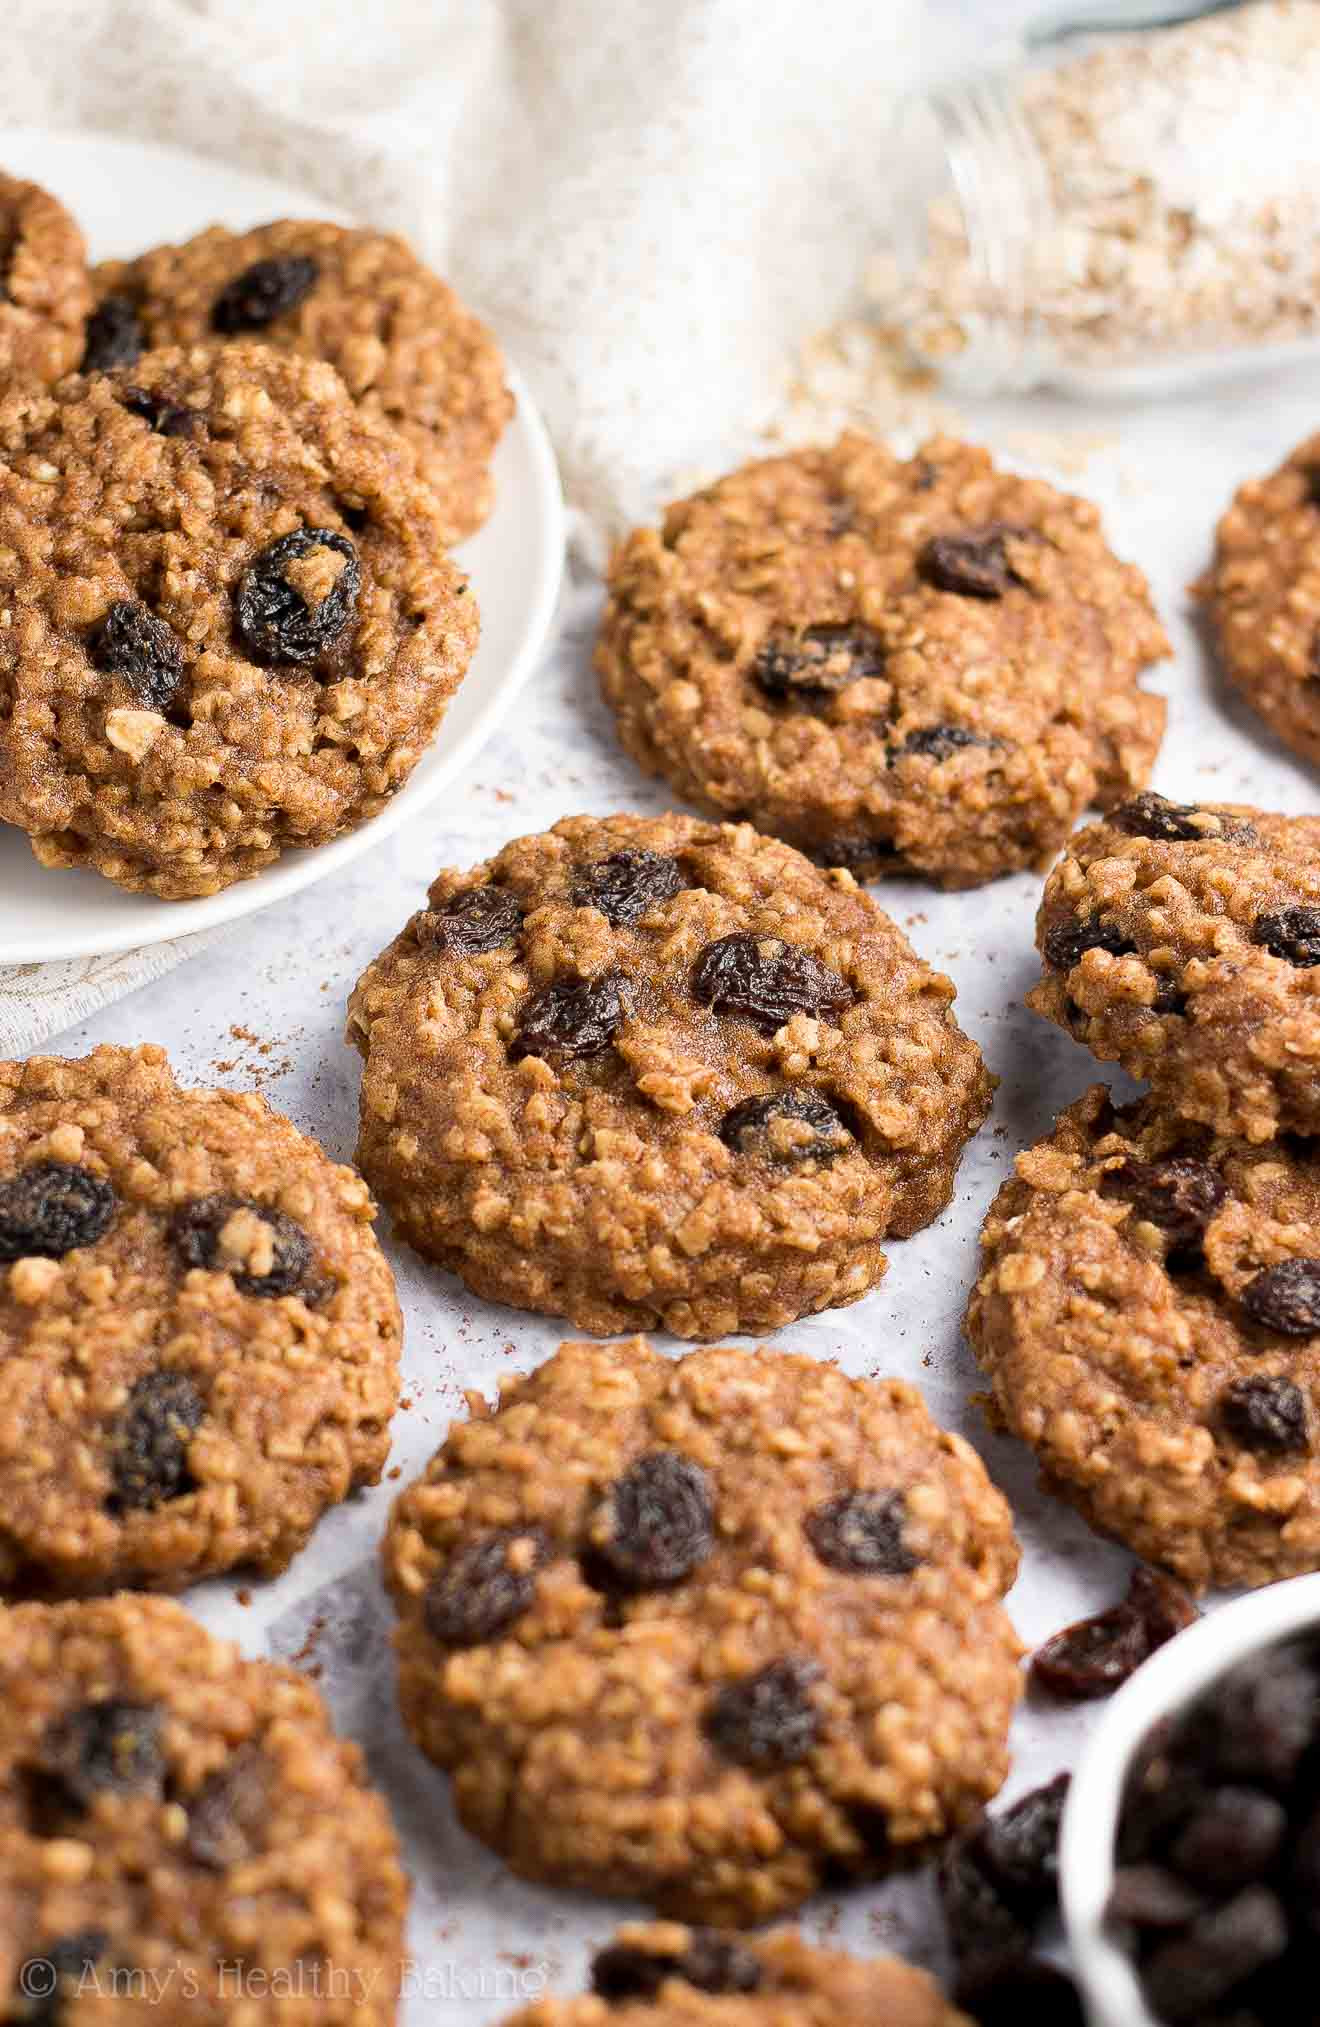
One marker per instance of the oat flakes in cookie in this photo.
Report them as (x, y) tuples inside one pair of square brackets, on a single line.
[(199, 1336), (706, 1632), (1182, 940), (643, 1071), (1262, 593), (407, 349), (45, 292), (183, 1838), (1149, 1315), (662, 1974), (926, 667), (227, 625)]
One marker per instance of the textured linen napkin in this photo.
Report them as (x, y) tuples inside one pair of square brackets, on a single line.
[(652, 202)]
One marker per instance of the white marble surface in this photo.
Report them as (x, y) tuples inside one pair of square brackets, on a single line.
[(265, 1007)]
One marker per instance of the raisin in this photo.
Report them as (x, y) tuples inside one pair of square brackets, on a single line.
[(817, 663), (485, 1588), (1066, 942), (198, 1227), (628, 884), (149, 1454), (264, 291), (983, 1923), (111, 1747), (475, 922), (861, 856), (573, 1020), (131, 642), (937, 742), (47, 1982), (789, 1126), (711, 1963), (1096, 1656), (1292, 934), (974, 565), (166, 417), (228, 1815), (1179, 1195), (1267, 1415), (1019, 1991), (1187, 1975), (767, 980), (661, 1522), (113, 336), (862, 1534), (1258, 1720), (1153, 816), (1151, 1897), (1233, 1839), (1020, 1847), (51, 1208), (1285, 1297), (276, 622), (767, 1720)]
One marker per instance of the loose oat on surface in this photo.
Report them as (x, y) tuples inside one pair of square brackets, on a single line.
[(654, 1070), (45, 292), (660, 1973), (1183, 941), (1149, 1315), (797, 645), (227, 625), (1262, 593), (816, 1682), (407, 349), (177, 1825), (199, 1335)]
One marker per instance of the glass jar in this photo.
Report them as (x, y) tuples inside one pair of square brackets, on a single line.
[(1120, 209)]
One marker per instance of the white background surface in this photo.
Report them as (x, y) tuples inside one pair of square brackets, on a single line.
[(265, 1007)]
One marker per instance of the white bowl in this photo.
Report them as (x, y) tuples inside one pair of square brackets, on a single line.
[(1167, 1682)]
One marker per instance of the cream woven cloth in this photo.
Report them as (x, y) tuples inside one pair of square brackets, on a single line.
[(651, 200)]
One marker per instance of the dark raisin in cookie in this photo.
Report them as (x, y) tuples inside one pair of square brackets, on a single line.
[(922, 667), (1182, 940), (1149, 1314), (408, 351), (199, 1336), (172, 1815), (619, 1071), (706, 1631)]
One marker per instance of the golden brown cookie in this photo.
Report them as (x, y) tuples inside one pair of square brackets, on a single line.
[(45, 292), (1182, 940), (652, 1070), (924, 667), (182, 1836), (706, 1631), (199, 1336), (227, 625), (405, 346), (664, 1975), (1262, 593), (1149, 1314)]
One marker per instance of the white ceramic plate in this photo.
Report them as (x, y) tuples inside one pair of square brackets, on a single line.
[(127, 196)]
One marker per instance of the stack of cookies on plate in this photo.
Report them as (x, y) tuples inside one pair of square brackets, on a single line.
[(230, 474)]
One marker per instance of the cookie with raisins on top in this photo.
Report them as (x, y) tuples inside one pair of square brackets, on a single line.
[(643, 1071), (1182, 940), (708, 1631), (1148, 1312), (661, 1974), (924, 665), (199, 1336)]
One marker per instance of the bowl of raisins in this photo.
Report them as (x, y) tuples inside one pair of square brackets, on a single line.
[(1189, 1860)]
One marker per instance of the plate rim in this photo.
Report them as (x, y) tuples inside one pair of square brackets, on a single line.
[(246, 897)]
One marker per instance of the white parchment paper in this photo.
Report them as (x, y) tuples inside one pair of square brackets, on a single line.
[(265, 1007)]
